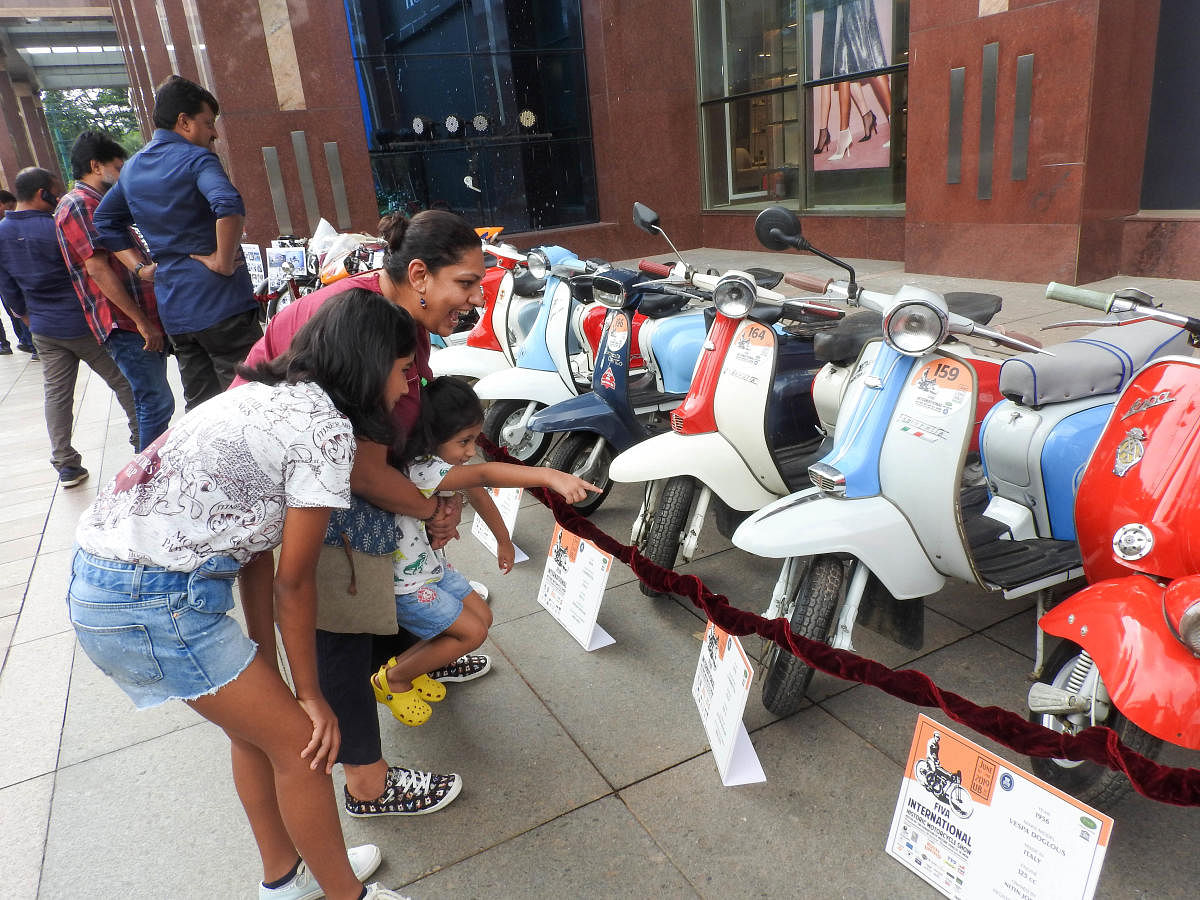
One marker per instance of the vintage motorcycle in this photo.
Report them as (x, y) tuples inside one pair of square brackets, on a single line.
[(622, 408), (760, 409), (1130, 654), (889, 519)]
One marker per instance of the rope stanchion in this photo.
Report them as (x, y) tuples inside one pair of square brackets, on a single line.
[(1098, 744)]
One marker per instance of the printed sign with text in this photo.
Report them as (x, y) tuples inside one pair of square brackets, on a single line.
[(973, 825), (573, 585)]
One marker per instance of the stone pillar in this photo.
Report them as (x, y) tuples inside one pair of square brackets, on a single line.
[(37, 128), (275, 68), (1065, 159), (15, 152)]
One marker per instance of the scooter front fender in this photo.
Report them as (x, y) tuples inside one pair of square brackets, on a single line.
[(467, 362), (1152, 678), (871, 529), (586, 412), (709, 458), (523, 384)]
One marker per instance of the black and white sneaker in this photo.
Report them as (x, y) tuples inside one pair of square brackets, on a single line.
[(408, 793), (465, 668)]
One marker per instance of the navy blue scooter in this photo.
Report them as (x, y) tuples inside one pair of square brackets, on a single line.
[(625, 408)]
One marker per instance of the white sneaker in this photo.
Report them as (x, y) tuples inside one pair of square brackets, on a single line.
[(481, 589), (379, 892), (364, 861)]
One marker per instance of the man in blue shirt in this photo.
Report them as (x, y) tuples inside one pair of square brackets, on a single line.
[(36, 283), (24, 341), (190, 215)]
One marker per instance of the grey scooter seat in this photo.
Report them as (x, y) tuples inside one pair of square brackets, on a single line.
[(1100, 363)]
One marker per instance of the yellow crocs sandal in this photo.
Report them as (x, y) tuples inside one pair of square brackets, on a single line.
[(433, 691), (407, 707), (426, 687)]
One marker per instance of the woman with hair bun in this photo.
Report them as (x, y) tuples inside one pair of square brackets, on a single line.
[(433, 269)]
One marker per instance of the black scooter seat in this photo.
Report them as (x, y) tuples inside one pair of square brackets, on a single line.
[(979, 308), (657, 305), (763, 313), (765, 278), (842, 343)]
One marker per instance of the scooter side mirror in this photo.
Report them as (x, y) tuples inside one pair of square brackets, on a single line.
[(645, 218), (779, 229)]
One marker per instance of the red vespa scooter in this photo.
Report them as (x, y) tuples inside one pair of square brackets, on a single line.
[(1130, 656)]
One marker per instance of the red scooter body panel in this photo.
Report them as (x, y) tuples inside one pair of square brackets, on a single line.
[(695, 415), (988, 378), (483, 335), (593, 330), (1153, 679), (1151, 439)]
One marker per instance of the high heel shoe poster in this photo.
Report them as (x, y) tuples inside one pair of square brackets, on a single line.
[(851, 123)]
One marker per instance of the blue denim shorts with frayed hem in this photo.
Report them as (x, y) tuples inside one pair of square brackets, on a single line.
[(160, 635), (432, 608)]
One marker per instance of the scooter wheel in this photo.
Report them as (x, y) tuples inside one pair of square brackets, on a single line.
[(810, 614), (572, 454), (505, 413), (1093, 784), (665, 532)]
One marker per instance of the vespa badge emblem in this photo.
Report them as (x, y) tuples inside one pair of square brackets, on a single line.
[(1148, 403), (1130, 451)]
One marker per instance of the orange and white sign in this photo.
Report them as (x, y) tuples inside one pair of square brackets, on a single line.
[(973, 825), (573, 585)]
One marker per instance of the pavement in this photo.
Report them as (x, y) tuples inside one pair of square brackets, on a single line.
[(587, 774)]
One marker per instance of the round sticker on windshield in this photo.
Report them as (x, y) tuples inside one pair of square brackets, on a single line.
[(942, 386), (618, 332)]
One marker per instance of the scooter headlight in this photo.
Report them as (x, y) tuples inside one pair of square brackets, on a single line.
[(1181, 607), (608, 291), (538, 263), (734, 295), (914, 327)]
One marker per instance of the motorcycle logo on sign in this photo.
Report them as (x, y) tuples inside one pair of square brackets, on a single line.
[(943, 386), (1130, 452)]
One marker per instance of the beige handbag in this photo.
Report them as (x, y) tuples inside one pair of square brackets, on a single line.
[(355, 591)]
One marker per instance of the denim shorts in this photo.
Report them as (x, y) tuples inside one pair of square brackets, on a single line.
[(432, 608), (160, 635)]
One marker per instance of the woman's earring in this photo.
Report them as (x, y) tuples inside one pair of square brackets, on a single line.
[(422, 298)]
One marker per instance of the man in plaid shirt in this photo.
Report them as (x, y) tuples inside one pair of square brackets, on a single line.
[(118, 303)]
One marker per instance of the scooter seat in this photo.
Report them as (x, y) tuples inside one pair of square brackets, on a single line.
[(657, 305), (525, 285), (763, 313), (1099, 363), (842, 343), (979, 308), (765, 278)]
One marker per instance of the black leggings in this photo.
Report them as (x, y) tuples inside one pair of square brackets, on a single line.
[(345, 664)]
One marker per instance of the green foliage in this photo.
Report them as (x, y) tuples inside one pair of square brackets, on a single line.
[(72, 112)]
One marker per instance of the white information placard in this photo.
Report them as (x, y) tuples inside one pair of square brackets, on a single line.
[(973, 825), (573, 586), (284, 263), (720, 689), (508, 503), (254, 263)]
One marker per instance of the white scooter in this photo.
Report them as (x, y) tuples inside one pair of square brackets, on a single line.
[(552, 362), (888, 508)]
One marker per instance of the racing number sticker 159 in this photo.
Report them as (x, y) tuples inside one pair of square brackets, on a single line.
[(943, 385)]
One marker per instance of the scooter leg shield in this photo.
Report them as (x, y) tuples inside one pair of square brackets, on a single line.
[(1153, 679), (870, 528)]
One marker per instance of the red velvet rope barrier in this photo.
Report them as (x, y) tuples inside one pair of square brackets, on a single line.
[(1098, 744)]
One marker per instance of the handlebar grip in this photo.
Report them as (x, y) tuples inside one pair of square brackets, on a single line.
[(1079, 296), (662, 270), (813, 283)]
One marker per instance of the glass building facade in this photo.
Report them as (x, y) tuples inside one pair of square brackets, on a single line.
[(479, 106), (803, 100)]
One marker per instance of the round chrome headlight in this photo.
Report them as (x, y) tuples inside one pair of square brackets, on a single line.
[(914, 327), (608, 291), (538, 263), (734, 296), (1189, 628)]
